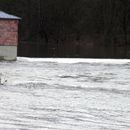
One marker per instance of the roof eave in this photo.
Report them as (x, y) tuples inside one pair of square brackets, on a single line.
[(10, 18)]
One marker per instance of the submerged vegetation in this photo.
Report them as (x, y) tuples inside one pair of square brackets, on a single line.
[(2, 79)]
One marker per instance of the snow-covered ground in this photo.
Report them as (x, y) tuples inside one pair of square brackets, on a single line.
[(65, 94)]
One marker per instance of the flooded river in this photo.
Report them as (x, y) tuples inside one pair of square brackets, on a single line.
[(65, 94)]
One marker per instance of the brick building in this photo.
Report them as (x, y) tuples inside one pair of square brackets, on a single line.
[(8, 36)]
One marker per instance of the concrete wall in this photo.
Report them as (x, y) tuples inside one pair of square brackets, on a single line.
[(8, 52)]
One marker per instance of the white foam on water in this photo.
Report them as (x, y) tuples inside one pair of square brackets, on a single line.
[(75, 60), (65, 94)]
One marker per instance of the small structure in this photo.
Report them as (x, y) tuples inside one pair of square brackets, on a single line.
[(8, 36)]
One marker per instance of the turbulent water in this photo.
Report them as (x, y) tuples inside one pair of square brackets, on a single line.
[(65, 94)]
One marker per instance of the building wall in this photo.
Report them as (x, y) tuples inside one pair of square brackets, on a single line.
[(8, 52), (8, 39), (8, 32)]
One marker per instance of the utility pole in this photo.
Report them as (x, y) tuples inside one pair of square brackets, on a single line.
[(39, 26)]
